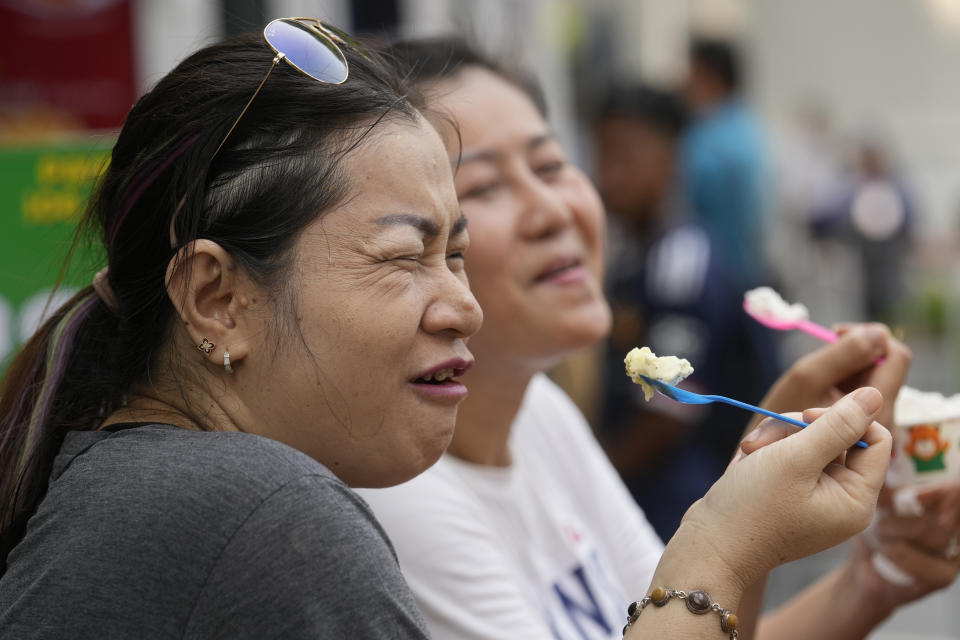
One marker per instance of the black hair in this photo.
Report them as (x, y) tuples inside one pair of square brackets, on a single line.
[(661, 110), (720, 58), (278, 171), (429, 59)]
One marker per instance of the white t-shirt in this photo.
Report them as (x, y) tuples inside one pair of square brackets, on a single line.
[(551, 547)]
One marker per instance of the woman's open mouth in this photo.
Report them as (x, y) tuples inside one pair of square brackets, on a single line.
[(440, 381), (566, 270), (438, 377)]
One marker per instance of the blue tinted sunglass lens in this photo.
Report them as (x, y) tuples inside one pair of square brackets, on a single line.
[(307, 50)]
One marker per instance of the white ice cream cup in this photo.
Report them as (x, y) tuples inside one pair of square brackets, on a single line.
[(926, 438)]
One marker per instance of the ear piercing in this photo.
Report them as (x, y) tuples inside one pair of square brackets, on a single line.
[(207, 347)]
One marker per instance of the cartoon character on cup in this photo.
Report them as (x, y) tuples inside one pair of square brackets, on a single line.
[(926, 448)]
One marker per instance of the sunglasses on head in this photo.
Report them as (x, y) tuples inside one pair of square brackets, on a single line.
[(310, 46)]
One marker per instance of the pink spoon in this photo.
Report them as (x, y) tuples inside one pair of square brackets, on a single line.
[(812, 328), (779, 324)]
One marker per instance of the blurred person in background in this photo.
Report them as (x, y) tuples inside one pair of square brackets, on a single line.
[(669, 288), (724, 171), (808, 165), (523, 528), (873, 211)]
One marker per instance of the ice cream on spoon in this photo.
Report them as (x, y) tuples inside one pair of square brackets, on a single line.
[(644, 362)]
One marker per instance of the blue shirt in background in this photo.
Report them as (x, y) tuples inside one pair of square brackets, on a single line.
[(724, 176)]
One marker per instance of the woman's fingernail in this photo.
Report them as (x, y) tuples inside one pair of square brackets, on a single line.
[(753, 435), (877, 338), (869, 400)]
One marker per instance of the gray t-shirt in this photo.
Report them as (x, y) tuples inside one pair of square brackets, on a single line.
[(158, 532)]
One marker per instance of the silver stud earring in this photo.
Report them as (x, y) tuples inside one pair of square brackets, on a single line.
[(226, 361)]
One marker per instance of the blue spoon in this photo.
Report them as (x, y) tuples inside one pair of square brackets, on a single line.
[(688, 397)]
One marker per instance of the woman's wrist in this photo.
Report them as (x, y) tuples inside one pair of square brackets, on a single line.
[(690, 572), (691, 561), (697, 602), (866, 595)]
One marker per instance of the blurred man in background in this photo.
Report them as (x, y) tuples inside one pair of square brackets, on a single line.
[(670, 289), (723, 161)]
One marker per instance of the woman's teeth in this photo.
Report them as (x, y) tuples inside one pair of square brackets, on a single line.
[(439, 376)]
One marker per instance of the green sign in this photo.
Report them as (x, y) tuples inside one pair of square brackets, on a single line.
[(43, 192)]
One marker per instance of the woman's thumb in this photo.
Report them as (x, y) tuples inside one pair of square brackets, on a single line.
[(840, 427)]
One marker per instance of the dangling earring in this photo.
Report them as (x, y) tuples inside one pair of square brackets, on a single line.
[(226, 361)]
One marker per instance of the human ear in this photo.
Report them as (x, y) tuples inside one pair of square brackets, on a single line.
[(211, 295)]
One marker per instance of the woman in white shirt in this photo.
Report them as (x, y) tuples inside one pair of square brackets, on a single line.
[(523, 529)]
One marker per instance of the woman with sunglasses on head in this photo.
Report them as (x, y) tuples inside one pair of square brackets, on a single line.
[(523, 529), (284, 292)]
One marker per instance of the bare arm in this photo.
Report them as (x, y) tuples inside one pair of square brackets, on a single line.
[(851, 601), (833, 608), (793, 497), (819, 379)]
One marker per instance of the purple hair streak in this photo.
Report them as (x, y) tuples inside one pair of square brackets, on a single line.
[(58, 357)]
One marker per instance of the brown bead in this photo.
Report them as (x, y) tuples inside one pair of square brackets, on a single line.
[(698, 601), (729, 622), (659, 596)]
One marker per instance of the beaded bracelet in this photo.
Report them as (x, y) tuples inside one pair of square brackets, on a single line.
[(698, 601)]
